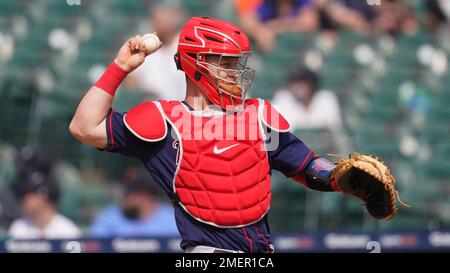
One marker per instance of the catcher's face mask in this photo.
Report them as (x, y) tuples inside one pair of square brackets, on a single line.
[(231, 76)]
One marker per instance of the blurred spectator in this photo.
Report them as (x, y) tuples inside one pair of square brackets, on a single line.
[(263, 20), (395, 17), (38, 193), (158, 75), (437, 14), (416, 100), (140, 212), (354, 15), (306, 107)]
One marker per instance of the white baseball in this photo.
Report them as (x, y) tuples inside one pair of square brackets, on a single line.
[(151, 42)]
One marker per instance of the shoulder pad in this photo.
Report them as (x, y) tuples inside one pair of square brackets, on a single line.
[(146, 122), (272, 118)]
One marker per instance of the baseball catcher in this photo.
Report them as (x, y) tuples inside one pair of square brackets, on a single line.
[(213, 152)]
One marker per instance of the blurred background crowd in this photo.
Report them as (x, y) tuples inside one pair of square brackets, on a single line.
[(351, 75)]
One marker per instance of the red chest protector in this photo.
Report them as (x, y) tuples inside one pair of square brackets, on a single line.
[(223, 173)]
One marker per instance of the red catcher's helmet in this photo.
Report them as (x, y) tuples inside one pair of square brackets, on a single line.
[(202, 37)]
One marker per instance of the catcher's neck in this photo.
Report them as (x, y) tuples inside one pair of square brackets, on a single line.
[(195, 97)]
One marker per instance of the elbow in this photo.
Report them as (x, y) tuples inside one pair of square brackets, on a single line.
[(86, 135), (76, 131)]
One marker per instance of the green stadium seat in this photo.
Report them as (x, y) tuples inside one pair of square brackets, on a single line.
[(132, 8), (320, 140), (436, 133), (69, 8), (10, 7), (82, 202)]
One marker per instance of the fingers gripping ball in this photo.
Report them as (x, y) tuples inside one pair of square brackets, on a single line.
[(369, 179), (151, 43)]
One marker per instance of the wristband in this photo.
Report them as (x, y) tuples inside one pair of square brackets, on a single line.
[(111, 79)]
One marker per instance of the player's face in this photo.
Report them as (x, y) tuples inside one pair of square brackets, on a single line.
[(130, 206), (231, 74), (224, 67), (302, 90), (33, 204)]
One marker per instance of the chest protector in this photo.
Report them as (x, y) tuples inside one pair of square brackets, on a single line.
[(222, 175)]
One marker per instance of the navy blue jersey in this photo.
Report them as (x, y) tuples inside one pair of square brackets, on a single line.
[(291, 158)]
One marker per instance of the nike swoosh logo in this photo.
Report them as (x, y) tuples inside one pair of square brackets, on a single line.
[(219, 151)]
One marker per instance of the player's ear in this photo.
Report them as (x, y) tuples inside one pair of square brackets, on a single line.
[(176, 58)]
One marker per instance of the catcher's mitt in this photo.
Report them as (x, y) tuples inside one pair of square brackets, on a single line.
[(369, 179)]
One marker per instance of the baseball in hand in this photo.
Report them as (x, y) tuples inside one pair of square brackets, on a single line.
[(151, 42)]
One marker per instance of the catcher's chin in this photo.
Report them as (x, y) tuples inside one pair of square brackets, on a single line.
[(232, 89)]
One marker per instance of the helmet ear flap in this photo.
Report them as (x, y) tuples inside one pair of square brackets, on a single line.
[(176, 58)]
